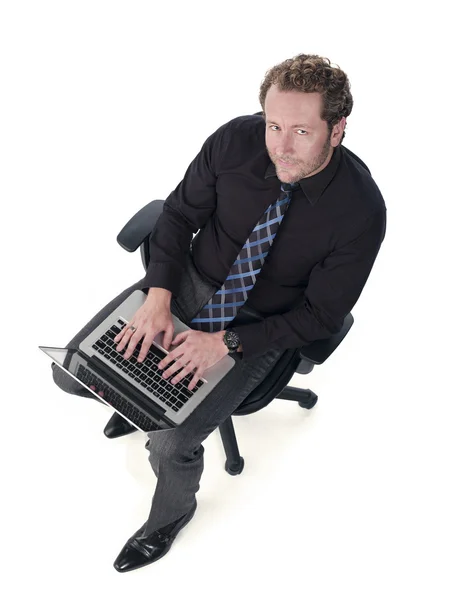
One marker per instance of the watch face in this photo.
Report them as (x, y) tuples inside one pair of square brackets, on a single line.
[(232, 340)]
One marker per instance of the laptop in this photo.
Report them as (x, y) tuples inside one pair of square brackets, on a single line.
[(137, 391)]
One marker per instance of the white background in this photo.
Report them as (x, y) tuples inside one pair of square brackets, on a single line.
[(103, 105)]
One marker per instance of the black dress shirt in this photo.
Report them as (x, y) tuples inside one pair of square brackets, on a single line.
[(320, 259)]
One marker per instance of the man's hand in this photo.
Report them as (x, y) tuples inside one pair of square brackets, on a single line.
[(151, 318), (196, 351)]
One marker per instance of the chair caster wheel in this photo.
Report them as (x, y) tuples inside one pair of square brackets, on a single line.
[(236, 469), (310, 402)]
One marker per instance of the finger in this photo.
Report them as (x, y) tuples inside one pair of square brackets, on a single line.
[(180, 337), (167, 341), (127, 333), (194, 380), (176, 366), (134, 340), (187, 369), (145, 347), (122, 332), (119, 336), (171, 356)]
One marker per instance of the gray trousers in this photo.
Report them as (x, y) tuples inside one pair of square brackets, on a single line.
[(176, 455)]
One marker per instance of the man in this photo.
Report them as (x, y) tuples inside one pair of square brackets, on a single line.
[(282, 174)]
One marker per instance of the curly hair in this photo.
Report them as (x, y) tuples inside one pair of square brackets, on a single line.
[(312, 73)]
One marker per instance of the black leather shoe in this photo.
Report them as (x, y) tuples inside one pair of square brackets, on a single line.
[(141, 550), (118, 426)]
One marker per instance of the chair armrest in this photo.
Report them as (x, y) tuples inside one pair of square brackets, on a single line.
[(140, 226), (318, 352)]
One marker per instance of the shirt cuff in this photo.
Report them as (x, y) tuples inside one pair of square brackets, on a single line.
[(163, 275), (253, 339)]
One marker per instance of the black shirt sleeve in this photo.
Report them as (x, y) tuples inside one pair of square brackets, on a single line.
[(333, 289), (185, 211)]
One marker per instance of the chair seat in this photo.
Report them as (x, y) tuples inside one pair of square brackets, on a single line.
[(272, 385)]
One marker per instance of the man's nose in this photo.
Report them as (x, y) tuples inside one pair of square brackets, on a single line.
[(285, 147)]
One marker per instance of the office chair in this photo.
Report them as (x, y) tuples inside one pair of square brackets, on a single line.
[(136, 233)]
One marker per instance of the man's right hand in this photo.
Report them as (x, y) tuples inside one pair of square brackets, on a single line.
[(153, 317)]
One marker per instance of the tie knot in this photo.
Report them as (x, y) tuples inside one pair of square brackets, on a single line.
[(289, 187)]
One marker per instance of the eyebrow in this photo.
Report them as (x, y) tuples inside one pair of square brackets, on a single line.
[(299, 125)]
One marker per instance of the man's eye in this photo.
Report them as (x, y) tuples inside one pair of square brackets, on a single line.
[(304, 131)]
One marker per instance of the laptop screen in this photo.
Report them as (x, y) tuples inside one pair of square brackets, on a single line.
[(117, 395)]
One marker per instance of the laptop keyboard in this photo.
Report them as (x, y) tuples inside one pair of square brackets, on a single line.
[(146, 373), (117, 401)]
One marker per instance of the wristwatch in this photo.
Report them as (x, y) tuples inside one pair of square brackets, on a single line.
[(231, 340)]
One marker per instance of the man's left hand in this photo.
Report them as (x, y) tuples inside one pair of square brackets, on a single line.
[(196, 351)]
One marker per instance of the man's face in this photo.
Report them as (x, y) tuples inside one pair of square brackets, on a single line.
[(296, 133)]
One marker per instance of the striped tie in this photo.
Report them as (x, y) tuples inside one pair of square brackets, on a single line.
[(224, 305)]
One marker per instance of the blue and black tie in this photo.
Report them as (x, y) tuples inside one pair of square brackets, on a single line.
[(224, 305)]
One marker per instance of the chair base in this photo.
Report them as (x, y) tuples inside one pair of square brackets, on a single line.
[(305, 398), (234, 463), (235, 468)]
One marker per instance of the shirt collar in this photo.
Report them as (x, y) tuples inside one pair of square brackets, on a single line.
[(313, 187)]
